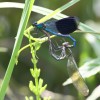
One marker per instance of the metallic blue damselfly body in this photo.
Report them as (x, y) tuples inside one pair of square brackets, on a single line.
[(62, 27)]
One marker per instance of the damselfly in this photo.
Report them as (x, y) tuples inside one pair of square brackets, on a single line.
[(64, 27), (74, 73), (61, 27)]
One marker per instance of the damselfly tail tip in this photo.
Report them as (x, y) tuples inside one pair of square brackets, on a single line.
[(86, 92)]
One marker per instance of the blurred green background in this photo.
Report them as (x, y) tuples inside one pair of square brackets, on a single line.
[(53, 72)]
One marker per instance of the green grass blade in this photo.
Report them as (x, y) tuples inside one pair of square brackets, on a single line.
[(45, 11), (19, 37), (62, 8)]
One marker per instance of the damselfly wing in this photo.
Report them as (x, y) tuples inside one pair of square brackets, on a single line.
[(76, 77)]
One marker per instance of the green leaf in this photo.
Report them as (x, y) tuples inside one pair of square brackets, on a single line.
[(40, 83), (26, 98), (30, 98), (40, 86), (32, 87), (35, 72), (43, 88), (94, 42)]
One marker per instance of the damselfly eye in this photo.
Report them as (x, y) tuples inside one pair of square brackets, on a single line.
[(34, 24)]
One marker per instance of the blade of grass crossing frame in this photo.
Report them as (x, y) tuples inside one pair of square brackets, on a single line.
[(23, 22), (62, 8)]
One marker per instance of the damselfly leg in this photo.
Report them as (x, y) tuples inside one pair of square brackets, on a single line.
[(56, 51)]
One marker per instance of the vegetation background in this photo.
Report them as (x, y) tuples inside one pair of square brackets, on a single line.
[(53, 72)]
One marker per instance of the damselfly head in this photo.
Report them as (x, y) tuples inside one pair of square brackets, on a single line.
[(39, 26)]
